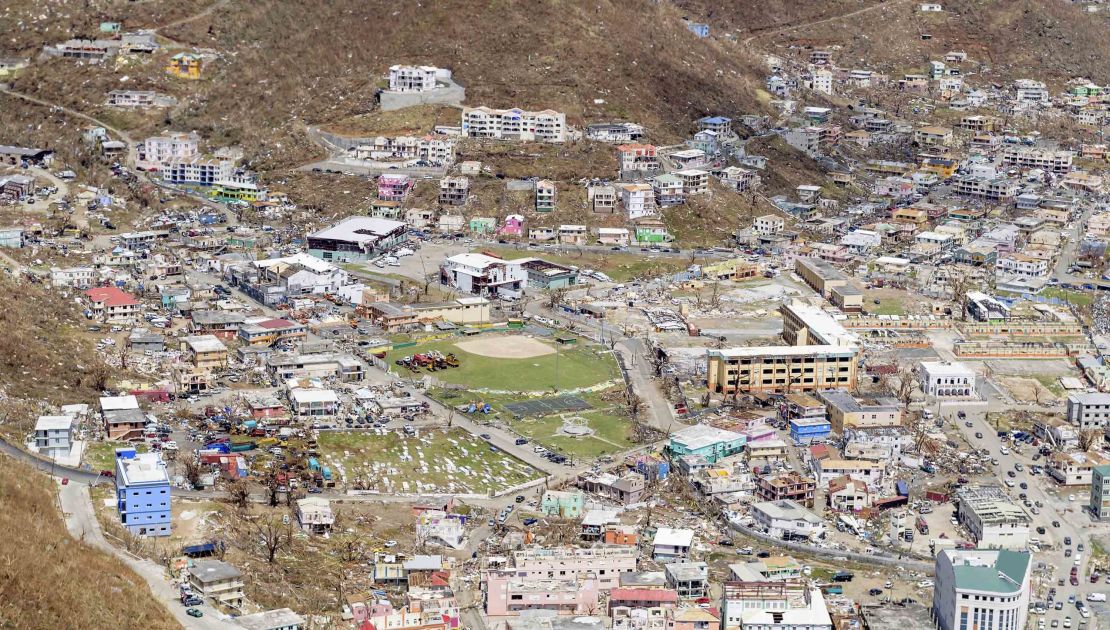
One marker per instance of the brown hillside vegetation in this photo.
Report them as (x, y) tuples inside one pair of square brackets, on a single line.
[(50, 580), (1011, 38), (747, 17), (27, 24)]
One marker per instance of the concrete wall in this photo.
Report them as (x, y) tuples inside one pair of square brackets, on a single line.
[(450, 94)]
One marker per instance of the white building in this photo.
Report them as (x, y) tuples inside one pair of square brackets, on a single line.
[(979, 588), (1021, 266), (1034, 157), (76, 277), (159, 151), (638, 200), (1089, 410), (302, 274), (54, 435), (787, 519), (765, 605), (769, 224), (1029, 92), (514, 124), (820, 81), (943, 379), (484, 275), (199, 171), (314, 403), (435, 150), (672, 544), (412, 78), (314, 515), (993, 520), (868, 472)]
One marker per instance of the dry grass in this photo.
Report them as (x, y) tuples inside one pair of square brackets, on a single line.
[(49, 580)]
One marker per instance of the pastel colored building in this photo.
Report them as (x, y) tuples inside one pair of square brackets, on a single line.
[(563, 504), (142, 493), (507, 594), (709, 442)]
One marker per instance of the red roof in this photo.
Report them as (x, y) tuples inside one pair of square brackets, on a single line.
[(111, 296), (276, 323), (643, 595)]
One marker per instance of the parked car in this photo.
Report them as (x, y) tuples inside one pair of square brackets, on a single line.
[(195, 612)]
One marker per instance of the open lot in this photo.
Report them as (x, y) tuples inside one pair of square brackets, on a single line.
[(565, 367), (102, 455), (434, 461)]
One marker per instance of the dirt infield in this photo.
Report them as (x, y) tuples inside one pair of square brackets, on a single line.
[(506, 347)]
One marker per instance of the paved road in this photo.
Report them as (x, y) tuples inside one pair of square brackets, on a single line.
[(1057, 508), (80, 518)]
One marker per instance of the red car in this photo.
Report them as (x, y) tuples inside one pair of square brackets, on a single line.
[(65, 481), (1074, 581)]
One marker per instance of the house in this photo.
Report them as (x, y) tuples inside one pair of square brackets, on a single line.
[(705, 141), (205, 352), (142, 493), (690, 580), (848, 495), (1030, 92), (278, 619), (513, 225), (484, 275), (637, 159), (573, 234), (314, 515), (514, 124), (694, 181), (672, 544), (185, 65), (356, 239), (947, 380), (482, 225), (314, 403), (270, 332), (412, 78), (649, 230), (719, 124), (602, 198), (706, 441), (454, 191), (668, 190), (138, 99), (612, 236), (394, 187), (739, 179), (615, 132), (787, 519), (562, 504), (625, 489), (792, 485), (638, 200), (689, 158), (218, 582), (450, 223), (1074, 469), (542, 274), (111, 305), (545, 195), (541, 234), (54, 436), (142, 340), (769, 224), (123, 420)]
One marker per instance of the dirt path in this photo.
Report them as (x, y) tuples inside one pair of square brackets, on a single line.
[(219, 4), (790, 27), (123, 135)]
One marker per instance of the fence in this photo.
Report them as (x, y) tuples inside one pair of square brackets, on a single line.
[(875, 558)]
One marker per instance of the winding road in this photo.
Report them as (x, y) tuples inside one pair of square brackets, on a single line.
[(778, 30)]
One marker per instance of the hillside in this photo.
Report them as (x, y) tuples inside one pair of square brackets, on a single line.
[(280, 64), (50, 580)]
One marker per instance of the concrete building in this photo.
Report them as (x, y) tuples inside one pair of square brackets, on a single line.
[(218, 582), (769, 224), (514, 124), (605, 564), (826, 470), (1089, 410), (672, 544), (980, 588), (484, 275), (395, 317), (706, 441), (942, 379), (314, 515), (830, 282), (1034, 157), (792, 485), (846, 411), (787, 519), (638, 200), (993, 520), (143, 493), (314, 403), (111, 305), (278, 619), (781, 369), (54, 436), (158, 152), (1099, 502), (123, 420), (507, 594), (356, 239), (773, 605), (689, 579)]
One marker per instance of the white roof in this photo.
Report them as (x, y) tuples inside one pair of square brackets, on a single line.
[(478, 261), (673, 537), (302, 259), (143, 468), (313, 395), (53, 423), (359, 229), (941, 368), (116, 403), (702, 435), (205, 343)]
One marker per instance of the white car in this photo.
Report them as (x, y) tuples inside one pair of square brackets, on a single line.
[(1071, 497), (925, 584)]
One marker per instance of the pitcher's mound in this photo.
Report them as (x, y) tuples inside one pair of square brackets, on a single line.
[(511, 347)]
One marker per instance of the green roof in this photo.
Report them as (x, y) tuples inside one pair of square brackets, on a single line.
[(1008, 564)]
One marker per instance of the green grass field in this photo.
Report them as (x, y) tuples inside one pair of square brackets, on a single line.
[(580, 365), (102, 455), (434, 461)]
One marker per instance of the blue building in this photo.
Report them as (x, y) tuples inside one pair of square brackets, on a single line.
[(809, 430), (142, 492)]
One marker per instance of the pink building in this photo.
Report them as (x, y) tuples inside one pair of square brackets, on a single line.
[(604, 565), (763, 433), (513, 226), (394, 187), (368, 614), (507, 594)]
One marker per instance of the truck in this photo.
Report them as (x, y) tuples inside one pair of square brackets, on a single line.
[(326, 472), (842, 576), (922, 526), (1096, 597)]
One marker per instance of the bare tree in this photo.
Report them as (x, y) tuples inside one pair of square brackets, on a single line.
[(192, 472), (959, 284), (554, 297), (274, 534), (1088, 438), (239, 494)]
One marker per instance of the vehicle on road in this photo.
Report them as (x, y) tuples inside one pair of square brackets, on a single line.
[(195, 612)]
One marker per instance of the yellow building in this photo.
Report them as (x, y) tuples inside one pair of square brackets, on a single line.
[(735, 269), (781, 369), (184, 66), (847, 412), (941, 167), (931, 136), (910, 215), (205, 352)]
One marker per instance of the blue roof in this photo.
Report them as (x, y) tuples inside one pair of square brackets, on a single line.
[(715, 120)]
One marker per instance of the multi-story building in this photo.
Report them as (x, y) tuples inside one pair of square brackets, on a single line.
[(638, 158), (434, 150), (602, 198), (205, 352), (781, 369), (412, 78), (138, 99), (313, 403), (454, 191), (638, 200), (624, 489), (1089, 410), (980, 588), (1033, 157), (199, 172), (1030, 92), (158, 152), (54, 435), (932, 136), (769, 224), (514, 124), (768, 605), (484, 275), (739, 179), (792, 485), (832, 283), (694, 181), (1020, 265), (545, 195), (112, 305), (615, 132), (604, 564), (706, 441), (993, 520), (142, 493), (1000, 189), (76, 277), (787, 519), (689, 579), (846, 411), (1099, 503), (217, 581), (356, 239), (508, 594), (868, 472), (944, 379), (1074, 469)]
